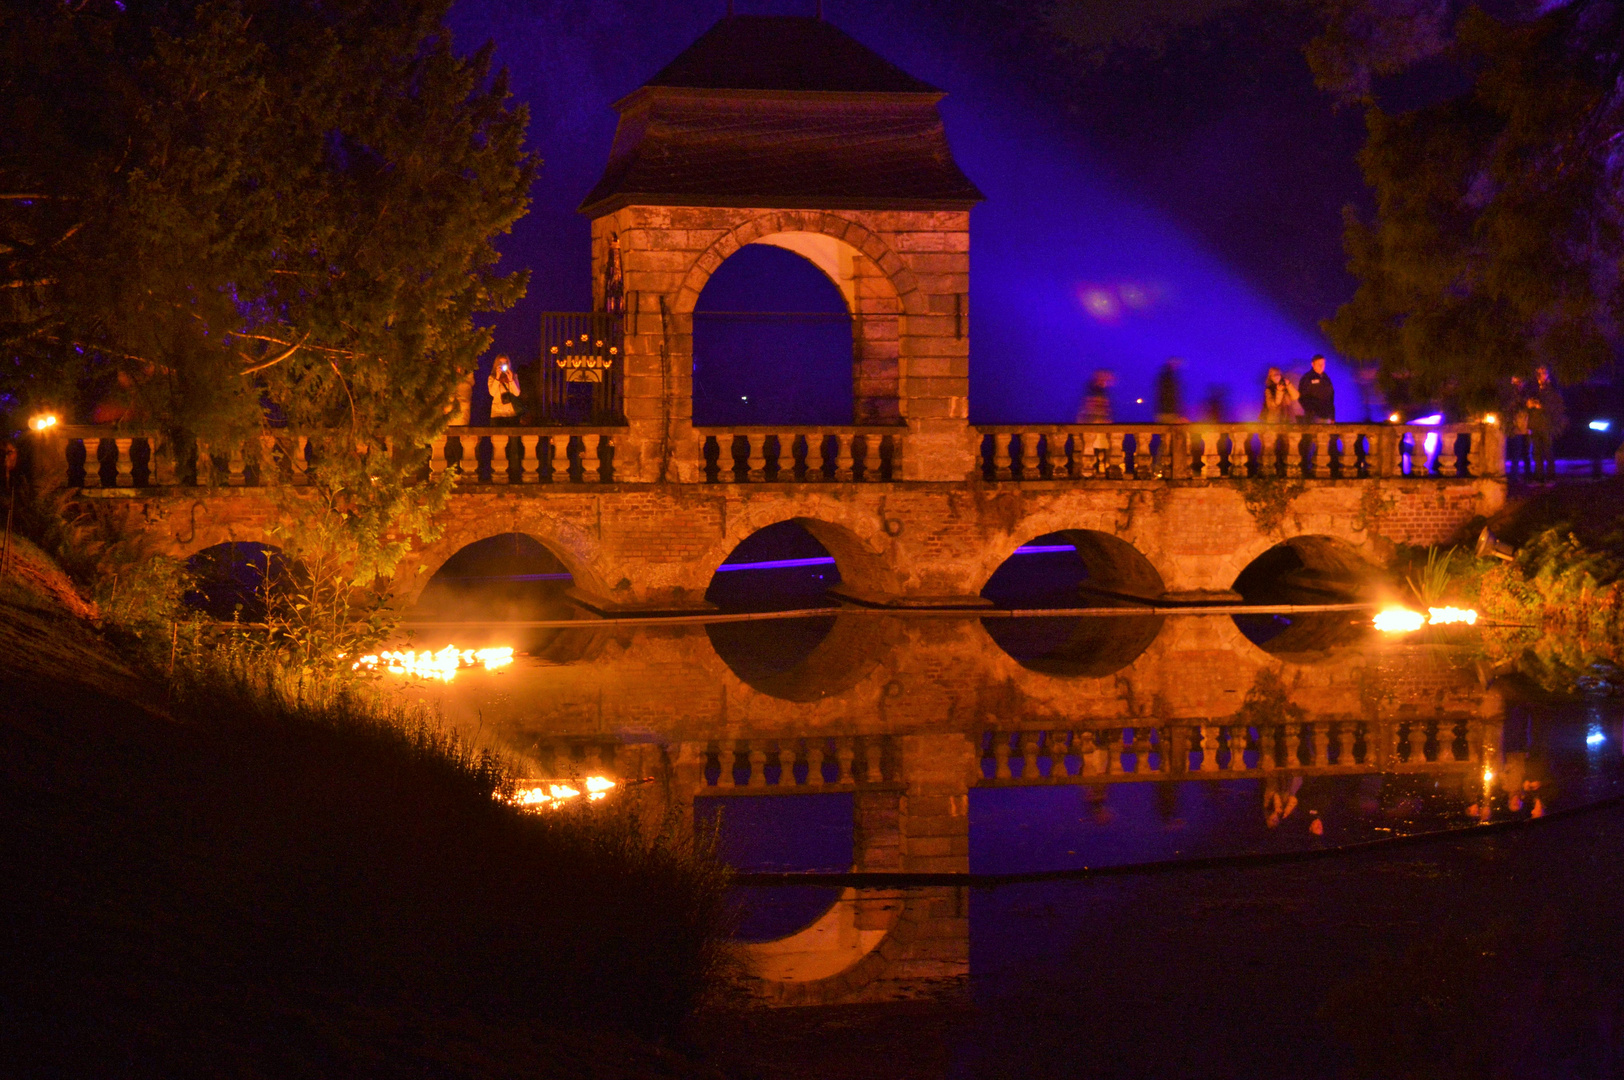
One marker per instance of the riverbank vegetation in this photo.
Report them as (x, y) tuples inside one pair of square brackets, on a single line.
[(225, 868)]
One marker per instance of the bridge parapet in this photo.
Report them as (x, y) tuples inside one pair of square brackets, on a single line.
[(800, 454), (1209, 451), (92, 457)]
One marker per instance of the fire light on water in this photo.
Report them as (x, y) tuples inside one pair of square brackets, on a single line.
[(1399, 620), (442, 665), (553, 794)]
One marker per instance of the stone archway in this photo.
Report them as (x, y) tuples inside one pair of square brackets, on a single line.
[(878, 288)]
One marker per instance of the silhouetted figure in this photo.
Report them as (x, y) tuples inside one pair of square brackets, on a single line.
[(1547, 419), (1316, 394), (1096, 406), (1514, 408), (1169, 393)]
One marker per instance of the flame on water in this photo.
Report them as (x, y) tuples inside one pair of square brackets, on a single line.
[(552, 794), (1399, 620), (441, 665)]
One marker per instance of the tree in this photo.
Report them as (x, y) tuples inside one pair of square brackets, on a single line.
[(239, 217), (1496, 244)]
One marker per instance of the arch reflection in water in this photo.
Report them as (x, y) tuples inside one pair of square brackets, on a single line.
[(1305, 570), (1073, 568)]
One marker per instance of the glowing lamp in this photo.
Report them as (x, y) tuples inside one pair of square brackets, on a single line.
[(1595, 738), (1601, 425), (1490, 418), (1394, 418), (42, 422)]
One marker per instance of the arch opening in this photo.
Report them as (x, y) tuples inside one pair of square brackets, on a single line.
[(510, 576), (772, 341), (783, 567), (1305, 570), (1069, 569), (237, 581)]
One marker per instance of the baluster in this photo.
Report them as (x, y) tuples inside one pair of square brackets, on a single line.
[(1344, 745), (270, 474), (1418, 454), (1000, 756), (591, 459), (1294, 454), (1474, 451), (1237, 747), (1209, 454), (729, 760), (788, 752), (163, 465), (500, 464), (814, 762), (845, 753), (1317, 752), (758, 456), (1020, 455), (527, 459), (1047, 456), (1085, 752), (123, 465), (1115, 453), (235, 466), (1029, 755), (843, 441), (1294, 745), (758, 766), (1206, 740), (558, 458), (1000, 456), (205, 466), (1058, 744)]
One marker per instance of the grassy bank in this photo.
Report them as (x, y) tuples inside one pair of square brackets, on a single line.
[(210, 879)]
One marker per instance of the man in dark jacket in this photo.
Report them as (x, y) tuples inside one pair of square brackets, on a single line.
[(1316, 395), (1547, 418)]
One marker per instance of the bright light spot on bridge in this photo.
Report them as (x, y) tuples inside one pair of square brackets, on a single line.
[(43, 422), (1595, 738), (551, 794), (428, 664), (1601, 425)]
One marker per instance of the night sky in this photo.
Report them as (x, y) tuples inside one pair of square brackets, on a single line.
[(1179, 194)]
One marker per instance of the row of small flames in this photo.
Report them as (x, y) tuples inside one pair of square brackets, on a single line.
[(428, 664)]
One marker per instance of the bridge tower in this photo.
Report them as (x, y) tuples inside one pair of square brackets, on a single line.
[(787, 132)]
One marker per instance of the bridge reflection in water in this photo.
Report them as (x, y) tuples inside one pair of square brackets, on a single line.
[(1091, 741)]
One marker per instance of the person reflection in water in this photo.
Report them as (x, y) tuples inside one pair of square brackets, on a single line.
[(1280, 801)]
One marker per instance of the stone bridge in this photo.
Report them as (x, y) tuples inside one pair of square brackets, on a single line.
[(1156, 510)]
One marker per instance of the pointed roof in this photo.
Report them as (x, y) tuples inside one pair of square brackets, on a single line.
[(785, 53), (781, 112)]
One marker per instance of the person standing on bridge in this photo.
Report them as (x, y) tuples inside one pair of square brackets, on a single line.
[(503, 386), (1316, 394), (1169, 394), (1279, 399)]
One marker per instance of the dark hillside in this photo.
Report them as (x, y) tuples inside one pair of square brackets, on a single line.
[(233, 888)]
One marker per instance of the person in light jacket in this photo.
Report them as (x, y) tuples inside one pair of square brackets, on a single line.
[(504, 390)]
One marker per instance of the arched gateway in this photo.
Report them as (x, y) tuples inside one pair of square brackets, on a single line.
[(788, 133)]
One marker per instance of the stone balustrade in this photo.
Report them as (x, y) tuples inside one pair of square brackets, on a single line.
[(762, 766), (1159, 751), (93, 458), (1234, 451), (800, 454)]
